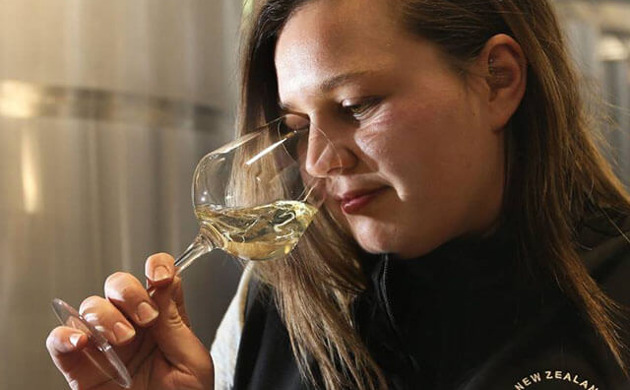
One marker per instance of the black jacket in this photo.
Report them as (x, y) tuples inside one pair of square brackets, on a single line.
[(466, 316)]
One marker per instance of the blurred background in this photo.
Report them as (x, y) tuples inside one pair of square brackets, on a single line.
[(105, 108)]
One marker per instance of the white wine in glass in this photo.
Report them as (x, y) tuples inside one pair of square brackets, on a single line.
[(253, 198), (257, 233)]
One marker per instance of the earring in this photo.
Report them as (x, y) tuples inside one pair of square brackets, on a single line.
[(491, 69)]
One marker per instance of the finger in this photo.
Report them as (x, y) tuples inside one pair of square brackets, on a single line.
[(175, 339), (178, 297), (129, 296), (160, 269), (64, 340), (108, 320), (66, 346)]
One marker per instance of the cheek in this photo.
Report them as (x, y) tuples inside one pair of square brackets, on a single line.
[(434, 131), (404, 137), (380, 138), (427, 142)]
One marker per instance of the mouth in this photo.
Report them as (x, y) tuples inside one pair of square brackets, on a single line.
[(353, 201)]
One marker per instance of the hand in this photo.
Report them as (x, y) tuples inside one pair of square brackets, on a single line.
[(150, 333)]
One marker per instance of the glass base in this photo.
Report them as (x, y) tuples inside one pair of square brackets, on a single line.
[(100, 352)]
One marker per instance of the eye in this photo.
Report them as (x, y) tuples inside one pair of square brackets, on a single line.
[(362, 108), (293, 122)]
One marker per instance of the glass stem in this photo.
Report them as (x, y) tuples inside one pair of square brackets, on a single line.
[(200, 246)]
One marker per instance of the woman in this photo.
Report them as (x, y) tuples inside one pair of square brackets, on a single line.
[(475, 238)]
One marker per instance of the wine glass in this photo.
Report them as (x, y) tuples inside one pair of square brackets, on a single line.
[(253, 198)]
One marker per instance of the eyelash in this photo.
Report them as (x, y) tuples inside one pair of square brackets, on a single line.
[(360, 110)]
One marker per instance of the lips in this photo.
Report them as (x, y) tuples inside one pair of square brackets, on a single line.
[(352, 202)]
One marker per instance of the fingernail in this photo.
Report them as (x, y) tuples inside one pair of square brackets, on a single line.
[(92, 318), (160, 273), (105, 332), (74, 339), (146, 313), (123, 332)]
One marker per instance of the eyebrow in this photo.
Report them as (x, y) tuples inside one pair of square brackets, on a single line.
[(334, 82), (344, 78)]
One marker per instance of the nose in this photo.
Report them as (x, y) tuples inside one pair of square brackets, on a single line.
[(326, 156)]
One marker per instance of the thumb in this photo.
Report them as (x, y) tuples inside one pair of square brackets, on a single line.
[(179, 345)]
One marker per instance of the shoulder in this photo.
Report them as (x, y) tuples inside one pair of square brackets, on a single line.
[(558, 349), (605, 249)]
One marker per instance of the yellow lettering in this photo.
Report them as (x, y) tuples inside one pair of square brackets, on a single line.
[(558, 375), (518, 386), (526, 382), (535, 377), (567, 377), (584, 384), (548, 375)]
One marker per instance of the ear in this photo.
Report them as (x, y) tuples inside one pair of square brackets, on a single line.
[(504, 66)]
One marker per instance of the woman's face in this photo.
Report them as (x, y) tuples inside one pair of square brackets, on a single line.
[(421, 162)]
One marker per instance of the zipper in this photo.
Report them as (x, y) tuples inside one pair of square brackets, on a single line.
[(390, 316), (385, 297)]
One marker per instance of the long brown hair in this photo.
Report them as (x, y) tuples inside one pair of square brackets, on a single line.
[(556, 174)]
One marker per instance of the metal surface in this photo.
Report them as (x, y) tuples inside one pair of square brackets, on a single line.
[(19, 99), (105, 108), (82, 199), (598, 33), (607, 14)]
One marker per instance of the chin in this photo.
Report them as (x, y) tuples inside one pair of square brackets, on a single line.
[(392, 243), (373, 242)]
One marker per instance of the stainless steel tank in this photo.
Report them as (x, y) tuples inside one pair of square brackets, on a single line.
[(105, 108)]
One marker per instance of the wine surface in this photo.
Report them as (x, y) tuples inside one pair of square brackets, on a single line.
[(256, 233)]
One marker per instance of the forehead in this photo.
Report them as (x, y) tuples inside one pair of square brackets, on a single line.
[(332, 36), (350, 17)]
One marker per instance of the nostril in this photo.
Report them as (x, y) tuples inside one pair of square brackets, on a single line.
[(326, 156), (322, 161)]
